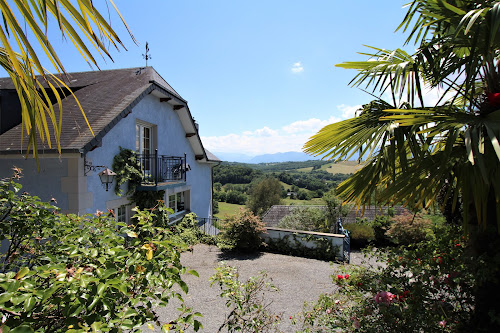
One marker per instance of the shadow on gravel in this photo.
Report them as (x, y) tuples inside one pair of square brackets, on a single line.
[(239, 256)]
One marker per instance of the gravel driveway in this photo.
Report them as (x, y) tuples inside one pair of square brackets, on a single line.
[(298, 280)]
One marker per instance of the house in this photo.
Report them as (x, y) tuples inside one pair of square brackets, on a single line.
[(132, 108)]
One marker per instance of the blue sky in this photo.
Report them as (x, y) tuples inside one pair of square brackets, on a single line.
[(259, 76)]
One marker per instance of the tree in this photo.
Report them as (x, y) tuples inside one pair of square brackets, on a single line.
[(414, 150), (80, 22), (263, 195), (335, 210)]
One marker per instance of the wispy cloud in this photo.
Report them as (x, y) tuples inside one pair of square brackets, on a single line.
[(297, 67), (267, 140), (348, 111), (309, 125)]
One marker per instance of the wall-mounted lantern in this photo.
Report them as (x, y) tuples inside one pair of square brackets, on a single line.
[(107, 177)]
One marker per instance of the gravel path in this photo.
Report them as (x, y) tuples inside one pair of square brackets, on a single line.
[(298, 280)]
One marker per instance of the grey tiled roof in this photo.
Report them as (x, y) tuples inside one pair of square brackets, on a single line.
[(277, 212), (212, 157), (105, 96)]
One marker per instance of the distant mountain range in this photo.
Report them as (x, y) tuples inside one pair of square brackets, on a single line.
[(291, 156)]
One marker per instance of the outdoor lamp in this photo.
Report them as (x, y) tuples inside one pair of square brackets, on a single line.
[(107, 177)]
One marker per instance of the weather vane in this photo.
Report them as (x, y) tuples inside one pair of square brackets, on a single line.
[(147, 56)]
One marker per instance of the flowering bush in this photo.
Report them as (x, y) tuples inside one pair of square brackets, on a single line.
[(67, 273), (426, 287)]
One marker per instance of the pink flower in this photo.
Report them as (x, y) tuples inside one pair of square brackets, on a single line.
[(384, 297), (356, 323), (328, 311), (442, 323)]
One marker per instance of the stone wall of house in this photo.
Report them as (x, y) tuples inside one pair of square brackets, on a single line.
[(45, 181)]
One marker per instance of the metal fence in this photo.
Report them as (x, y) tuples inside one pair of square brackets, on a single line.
[(210, 226), (347, 242), (161, 168)]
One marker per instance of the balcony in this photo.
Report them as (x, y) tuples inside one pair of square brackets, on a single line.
[(161, 171)]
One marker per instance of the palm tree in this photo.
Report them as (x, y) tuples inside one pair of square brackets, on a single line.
[(79, 21), (415, 152)]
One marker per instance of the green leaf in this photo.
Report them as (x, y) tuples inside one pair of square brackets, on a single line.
[(22, 329), (19, 298), (101, 288), (193, 272), (22, 272), (29, 303), (5, 297), (107, 273), (183, 286)]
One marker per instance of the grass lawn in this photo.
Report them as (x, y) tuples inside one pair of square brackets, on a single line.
[(227, 209)]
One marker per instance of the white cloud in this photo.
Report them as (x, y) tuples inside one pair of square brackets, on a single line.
[(348, 111), (297, 67), (311, 125), (266, 140)]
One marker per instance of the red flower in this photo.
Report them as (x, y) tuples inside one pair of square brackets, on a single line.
[(494, 99), (340, 276), (346, 276)]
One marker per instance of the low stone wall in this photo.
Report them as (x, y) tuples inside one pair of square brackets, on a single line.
[(305, 243)]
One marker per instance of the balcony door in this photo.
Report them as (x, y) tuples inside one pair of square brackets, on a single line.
[(145, 145)]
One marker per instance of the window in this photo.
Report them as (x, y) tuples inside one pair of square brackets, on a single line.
[(145, 143), (122, 213), (178, 202)]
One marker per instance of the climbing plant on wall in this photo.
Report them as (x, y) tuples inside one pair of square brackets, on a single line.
[(127, 167)]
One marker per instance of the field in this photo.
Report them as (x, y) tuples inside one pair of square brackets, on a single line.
[(227, 209), (345, 167)]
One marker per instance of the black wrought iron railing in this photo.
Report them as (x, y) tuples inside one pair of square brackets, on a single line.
[(162, 168), (209, 226)]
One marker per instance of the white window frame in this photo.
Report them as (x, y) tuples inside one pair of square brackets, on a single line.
[(184, 195), (141, 128), (126, 212)]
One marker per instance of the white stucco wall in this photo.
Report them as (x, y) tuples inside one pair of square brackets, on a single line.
[(171, 140), (337, 240)]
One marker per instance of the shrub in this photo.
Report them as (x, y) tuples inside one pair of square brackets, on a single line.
[(220, 196), (84, 273), (305, 218), (437, 298), (360, 233), (241, 232), (407, 229), (188, 232), (380, 225), (236, 197), (249, 309)]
